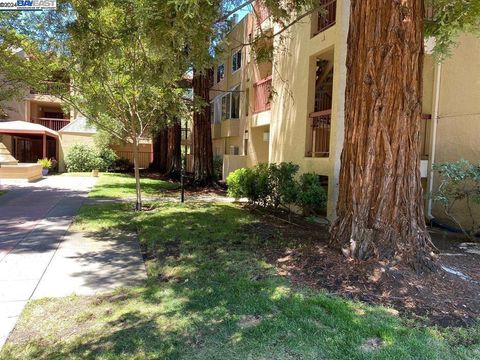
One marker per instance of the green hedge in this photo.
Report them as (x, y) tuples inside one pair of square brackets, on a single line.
[(276, 185), (84, 158)]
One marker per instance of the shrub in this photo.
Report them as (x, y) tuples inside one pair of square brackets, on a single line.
[(283, 187), (46, 163), (275, 185), (108, 158), (122, 165), (459, 191), (82, 158), (218, 167), (311, 194), (236, 182)]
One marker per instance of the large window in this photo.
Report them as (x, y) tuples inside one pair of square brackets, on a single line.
[(220, 72), (235, 108), (237, 61), (226, 106)]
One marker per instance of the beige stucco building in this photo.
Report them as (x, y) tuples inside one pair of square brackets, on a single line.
[(302, 119), (54, 132)]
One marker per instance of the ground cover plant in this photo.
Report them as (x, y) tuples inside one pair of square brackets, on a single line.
[(212, 293)]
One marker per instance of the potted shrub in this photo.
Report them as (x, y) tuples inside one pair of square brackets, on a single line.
[(46, 165)]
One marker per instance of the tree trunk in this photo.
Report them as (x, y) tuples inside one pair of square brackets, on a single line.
[(380, 208), (202, 133), (160, 149), (136, 165), (174, 154)]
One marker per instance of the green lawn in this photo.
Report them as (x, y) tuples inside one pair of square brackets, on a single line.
[(211, 295), (110, 185), (2, 192)]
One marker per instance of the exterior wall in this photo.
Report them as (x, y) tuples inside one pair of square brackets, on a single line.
[(295, 96), (7, 141), (249, 128), (458, 124)]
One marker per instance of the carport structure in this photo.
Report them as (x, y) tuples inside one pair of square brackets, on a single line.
[(30, 141)]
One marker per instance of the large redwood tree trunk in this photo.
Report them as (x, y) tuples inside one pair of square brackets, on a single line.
[(380, 209), (202, 133), (160, 149), (174, 154)]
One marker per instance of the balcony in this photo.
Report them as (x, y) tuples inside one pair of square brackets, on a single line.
[(262, 95), (319, 145), (261, 12), (51, 123), (216, 131), (230, 128), (326, 17)]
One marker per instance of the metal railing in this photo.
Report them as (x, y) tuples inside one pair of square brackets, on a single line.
[(262, 94), (319, 122), (261, 11), (51, 123), (425, 136), (327, 17)]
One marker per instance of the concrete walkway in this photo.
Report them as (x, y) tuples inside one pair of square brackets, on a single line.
[(40, 258)]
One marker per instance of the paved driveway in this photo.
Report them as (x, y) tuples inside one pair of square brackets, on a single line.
[(40, 258)]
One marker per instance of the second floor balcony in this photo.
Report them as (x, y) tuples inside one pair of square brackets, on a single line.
[(51, 123), (262, 95), (326, 16)]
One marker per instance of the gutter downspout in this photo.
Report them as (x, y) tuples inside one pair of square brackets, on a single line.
[(433, 144)]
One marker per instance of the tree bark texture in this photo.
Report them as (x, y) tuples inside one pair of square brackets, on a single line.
[(202, 133), (174, 154), (160, 149), (380, 207)]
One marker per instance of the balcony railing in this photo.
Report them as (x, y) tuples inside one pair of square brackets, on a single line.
[(320, 133), (326, 17), (262, 92), (261, 12), (425, 136), (54, 124)]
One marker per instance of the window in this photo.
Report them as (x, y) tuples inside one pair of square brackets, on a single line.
[(237, 61), (235, 95), (226, 107), (220, 72)]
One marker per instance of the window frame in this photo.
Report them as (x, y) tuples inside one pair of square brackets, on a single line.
[(237, 60), (220, 78)]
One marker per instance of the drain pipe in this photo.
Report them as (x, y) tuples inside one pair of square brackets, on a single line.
[(435, 117)]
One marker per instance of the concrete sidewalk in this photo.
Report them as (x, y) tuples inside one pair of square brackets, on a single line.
[(40, 258)]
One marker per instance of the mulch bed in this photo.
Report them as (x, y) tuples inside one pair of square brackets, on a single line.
[(441, 298)]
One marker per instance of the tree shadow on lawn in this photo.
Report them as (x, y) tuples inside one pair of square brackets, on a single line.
[(211, 295)]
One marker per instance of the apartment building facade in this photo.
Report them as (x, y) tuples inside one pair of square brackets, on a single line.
[(292, 108), (38, 126)]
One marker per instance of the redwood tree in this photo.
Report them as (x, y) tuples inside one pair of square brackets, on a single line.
[(174, 153), (202, 133), (160, 149), (380, 210)]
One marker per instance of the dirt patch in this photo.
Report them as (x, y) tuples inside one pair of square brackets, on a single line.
[(249, 321), (372, 345), (301, 252)]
